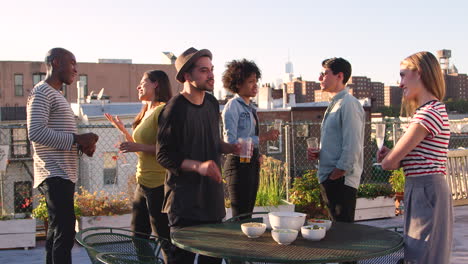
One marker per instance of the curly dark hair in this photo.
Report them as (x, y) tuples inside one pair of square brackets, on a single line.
[(237, 71)]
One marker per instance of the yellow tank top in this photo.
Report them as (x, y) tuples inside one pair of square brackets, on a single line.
[(149, 172)]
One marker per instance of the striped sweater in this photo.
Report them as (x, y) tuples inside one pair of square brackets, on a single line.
[(430, 156), (51, 125)]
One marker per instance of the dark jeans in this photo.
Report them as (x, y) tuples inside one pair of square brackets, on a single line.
[(147, 216), (181, 256), (59, 194), (242, 182), (340, 199)]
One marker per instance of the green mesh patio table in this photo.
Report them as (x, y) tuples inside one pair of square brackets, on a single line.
[(343, 242)]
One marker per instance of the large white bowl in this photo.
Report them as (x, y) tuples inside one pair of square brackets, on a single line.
[(313, 234), (253, 229), (284, 236), (286, 220), (320, 222)]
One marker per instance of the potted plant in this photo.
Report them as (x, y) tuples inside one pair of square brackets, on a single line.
[(305, 195), (18, 230), (271, 190), (397, 180), (41, 213), (374, 200), (102, 209)]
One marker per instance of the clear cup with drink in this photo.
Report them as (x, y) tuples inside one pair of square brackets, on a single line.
[(246, 149), (313, 148)]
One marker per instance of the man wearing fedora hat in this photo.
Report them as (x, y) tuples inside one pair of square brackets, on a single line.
[(189, 147)]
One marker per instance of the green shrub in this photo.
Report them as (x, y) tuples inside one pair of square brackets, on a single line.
[(305, 195), (397, 180), (373, 190)]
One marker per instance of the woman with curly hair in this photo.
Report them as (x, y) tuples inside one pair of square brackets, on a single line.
[(240, 120), (422, 152)]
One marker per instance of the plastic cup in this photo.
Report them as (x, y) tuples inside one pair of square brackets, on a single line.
[(245, 150), (312, 147)]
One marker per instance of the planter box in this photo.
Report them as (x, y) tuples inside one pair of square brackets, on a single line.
[(287, 207), (380, 207), (120, 221), (18, 233)]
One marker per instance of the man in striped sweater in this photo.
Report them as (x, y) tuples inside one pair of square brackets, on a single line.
[(52, 131)]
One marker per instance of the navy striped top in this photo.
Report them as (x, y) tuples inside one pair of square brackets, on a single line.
[(51, 124), (430, 156)]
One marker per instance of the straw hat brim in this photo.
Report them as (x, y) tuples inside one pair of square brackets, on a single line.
[(190, 60)]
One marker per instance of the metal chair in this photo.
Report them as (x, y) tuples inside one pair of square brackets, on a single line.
[(125, 258), (118, 240)]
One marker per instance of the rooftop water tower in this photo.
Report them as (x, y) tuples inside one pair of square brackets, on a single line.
[(444, 59)]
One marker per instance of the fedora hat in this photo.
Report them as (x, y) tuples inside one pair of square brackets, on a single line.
[(186, 60)]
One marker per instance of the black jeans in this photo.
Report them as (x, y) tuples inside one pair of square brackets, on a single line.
[(147, 216), (340, 199), (59, 194), (242, 182), (181, 256)]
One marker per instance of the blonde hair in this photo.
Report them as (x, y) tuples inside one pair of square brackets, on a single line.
[(426, 64)]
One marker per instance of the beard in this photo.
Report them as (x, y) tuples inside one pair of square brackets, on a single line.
[(205, 87)]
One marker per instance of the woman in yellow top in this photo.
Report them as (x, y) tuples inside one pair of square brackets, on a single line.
[(154, 91)]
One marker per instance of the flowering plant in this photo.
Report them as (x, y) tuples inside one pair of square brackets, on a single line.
[(40, 212), (91, 204), (101, 203)]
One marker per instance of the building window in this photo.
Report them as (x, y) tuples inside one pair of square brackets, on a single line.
[(37, 77), (20, 144), (18, 84), (110, 168), (84, 80), (23, 197)]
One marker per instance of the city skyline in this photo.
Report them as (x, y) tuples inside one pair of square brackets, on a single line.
[(373, 36)]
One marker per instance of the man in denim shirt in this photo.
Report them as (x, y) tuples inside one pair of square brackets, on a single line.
[(342, 140)]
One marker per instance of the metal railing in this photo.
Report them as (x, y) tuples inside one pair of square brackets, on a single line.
[(457, 175), (114, 172)]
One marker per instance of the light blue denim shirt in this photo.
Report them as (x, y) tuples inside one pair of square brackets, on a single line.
[(342, 139), (239, 120)]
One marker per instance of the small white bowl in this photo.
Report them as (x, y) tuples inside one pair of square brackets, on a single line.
[(321, 222), (253, 229), (286, 220), (308, 232), (284, 236)]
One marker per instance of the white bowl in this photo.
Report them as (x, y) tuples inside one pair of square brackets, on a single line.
[(321, 222), (284, 236), (286, 220), (308, 232), (253, 229)]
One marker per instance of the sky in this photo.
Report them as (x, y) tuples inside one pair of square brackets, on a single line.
[(373, 35)]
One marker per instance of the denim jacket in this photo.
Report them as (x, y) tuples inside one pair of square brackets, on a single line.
[(239, 121)]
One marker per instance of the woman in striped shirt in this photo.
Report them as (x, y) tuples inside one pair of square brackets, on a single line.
[(422, 152)]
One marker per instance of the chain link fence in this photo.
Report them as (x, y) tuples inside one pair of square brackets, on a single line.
[(114, 172)]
